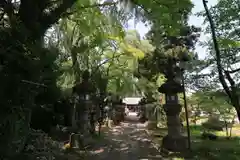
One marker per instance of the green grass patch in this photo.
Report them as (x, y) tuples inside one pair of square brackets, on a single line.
[(216, 150), (219, 149)]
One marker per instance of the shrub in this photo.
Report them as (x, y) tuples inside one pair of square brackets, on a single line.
[(213, 123)]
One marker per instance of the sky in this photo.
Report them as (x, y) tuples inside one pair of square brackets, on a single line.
[(193, 20)]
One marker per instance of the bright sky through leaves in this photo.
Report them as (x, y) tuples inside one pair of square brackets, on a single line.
[(193, 20)]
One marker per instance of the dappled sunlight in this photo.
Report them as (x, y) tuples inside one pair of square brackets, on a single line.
[(152, 157), (117, 130), (117, 140), (101, 150), (143, 139), (126, 141), (123, 147)]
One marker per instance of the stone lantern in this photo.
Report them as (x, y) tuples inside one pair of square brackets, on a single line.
[(174, 140), (83, 106), (142, 113), (108, 109), (118, 110)]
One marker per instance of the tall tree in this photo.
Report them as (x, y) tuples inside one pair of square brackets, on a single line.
[(24, 24), (223, 73)]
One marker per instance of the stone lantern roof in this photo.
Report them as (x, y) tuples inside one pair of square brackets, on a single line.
[(171, 87)]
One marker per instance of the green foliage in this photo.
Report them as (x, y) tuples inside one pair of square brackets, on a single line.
[(112, 57), (223, 66), (220, 149), (165, 16), (39, 64), (27, 67), (215, 102)]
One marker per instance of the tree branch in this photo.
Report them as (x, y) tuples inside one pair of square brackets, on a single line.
[(217, 50), (106, 61), (48, 19), (90, 6), (7, 7), (232, 71), (229, 78), (36, 20)]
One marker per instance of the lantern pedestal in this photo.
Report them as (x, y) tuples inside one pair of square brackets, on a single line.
[(174, 141), (175, 144)]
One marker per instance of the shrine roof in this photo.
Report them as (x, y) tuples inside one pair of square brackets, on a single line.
[(131, 100)]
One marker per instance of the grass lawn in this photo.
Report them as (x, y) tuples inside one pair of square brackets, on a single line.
[(220, 149)]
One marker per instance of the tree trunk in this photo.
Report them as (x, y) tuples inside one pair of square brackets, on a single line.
[(238, 112), (31, 27), (231, 92), (74, 123), (232, 123), (14, 133), (226, 128)]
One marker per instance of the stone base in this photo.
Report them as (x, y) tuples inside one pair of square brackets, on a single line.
[(76, 141), (175, 144)]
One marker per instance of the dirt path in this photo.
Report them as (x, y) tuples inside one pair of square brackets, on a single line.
[(128, 141)]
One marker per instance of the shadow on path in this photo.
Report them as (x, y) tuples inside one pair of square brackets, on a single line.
[(129, 141)]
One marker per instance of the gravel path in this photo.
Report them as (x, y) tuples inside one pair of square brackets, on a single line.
[(129, 141)]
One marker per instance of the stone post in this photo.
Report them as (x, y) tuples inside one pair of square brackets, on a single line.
[(174, 141)]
